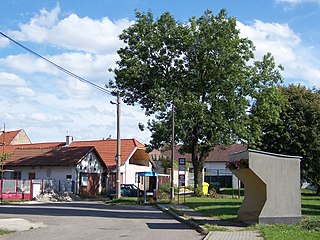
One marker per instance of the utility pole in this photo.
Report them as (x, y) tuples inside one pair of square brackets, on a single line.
[(118, 189), (2, 159), (172, 156), (118, 153)]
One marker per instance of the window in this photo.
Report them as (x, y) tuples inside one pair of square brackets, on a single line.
[(32, 175), (16, 175), (84, 180)]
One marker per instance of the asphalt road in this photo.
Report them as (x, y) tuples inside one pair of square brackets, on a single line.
[(93, 221)]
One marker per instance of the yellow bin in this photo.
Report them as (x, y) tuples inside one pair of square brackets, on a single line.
[(205, 188)]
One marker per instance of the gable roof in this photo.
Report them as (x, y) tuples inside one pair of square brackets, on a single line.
[(7, 137), (220, 153), (108, 148), (48, 145), (65, 156)]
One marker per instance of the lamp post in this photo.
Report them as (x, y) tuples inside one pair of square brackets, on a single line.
[(118, 153)]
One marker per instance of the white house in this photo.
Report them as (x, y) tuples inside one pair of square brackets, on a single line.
[(133, 159), (72, 169)]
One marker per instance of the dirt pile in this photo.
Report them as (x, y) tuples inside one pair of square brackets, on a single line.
[(57, 197)]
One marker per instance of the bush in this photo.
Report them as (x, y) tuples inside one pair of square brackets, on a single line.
[(311, 224), (164, 188), (215, 186)]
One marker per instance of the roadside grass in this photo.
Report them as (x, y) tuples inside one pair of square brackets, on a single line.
[(123, 201), (3, 231), (287, 232), (226, 208)]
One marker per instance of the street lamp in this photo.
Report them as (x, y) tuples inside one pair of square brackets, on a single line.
[(118, 154)]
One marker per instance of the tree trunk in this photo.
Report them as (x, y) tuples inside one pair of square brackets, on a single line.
[(198, 176)]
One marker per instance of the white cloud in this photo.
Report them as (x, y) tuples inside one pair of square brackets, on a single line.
[(38, 117), (91, 67), (73, 32), (276, 38), (3, 41), (11, 80), (300, 62), (25, 91)]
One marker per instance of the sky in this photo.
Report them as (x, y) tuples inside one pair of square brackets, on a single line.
[(82, 37)]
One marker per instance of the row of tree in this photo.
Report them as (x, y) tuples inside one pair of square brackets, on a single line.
[(221, 94)]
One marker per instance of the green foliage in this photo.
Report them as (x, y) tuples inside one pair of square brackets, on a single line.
[(287, 232), (207, 71), (5, 156), (164, 188), (4, 231), (311, 224), (297, 132), (123, 201)]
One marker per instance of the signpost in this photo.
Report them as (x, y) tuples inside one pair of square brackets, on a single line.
[(182, 177)]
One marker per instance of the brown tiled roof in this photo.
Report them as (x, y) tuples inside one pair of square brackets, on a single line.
[(107, 149), (7, 137), (65, 156), (219, 154), (11, 148)]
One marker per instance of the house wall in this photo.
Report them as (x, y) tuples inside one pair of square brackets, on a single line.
[(89, 164), (20, 138), (226, 177), (43, 172), (129, 171)]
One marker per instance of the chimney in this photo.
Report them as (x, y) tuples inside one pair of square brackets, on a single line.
[(69, 140)]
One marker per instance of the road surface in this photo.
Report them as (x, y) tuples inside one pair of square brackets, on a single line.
[(93, 221)]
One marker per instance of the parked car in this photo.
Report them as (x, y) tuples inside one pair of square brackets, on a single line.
[(127, 190)]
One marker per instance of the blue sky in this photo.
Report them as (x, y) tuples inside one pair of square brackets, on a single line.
[(82, 37)]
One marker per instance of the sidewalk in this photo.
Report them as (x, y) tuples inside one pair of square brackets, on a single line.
[(233, 231)]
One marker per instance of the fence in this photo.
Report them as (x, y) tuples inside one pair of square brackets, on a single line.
[(11, 189), (17, 189)]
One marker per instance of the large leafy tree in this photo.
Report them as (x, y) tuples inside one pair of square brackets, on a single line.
[(207, 71), (298, 130)]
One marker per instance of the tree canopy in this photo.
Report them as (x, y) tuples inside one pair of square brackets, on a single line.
[(298, 130), (207, 71)]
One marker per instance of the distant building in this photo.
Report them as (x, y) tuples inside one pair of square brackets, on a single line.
[(214, 166)]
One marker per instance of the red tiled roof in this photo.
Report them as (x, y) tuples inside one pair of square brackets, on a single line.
[(107, 149), (65, 156), (7, 137), (219, 154)]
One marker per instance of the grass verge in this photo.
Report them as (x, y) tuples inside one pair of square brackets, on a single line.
[(3, 231), (226, 208)]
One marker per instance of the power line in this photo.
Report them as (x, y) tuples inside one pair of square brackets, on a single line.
[(58, 67)]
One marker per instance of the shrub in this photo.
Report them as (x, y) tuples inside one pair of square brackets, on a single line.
[(311, 224), (164, 188), (215, 186)]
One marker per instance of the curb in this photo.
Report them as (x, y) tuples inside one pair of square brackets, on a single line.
[(189, 222)]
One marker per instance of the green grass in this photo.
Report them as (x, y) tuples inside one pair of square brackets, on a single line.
[(3, 231), (219, 208), (123, 201), (287, 232), (226, 208), (310, 205)]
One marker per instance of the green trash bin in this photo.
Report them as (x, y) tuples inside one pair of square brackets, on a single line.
[(205, 188)]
